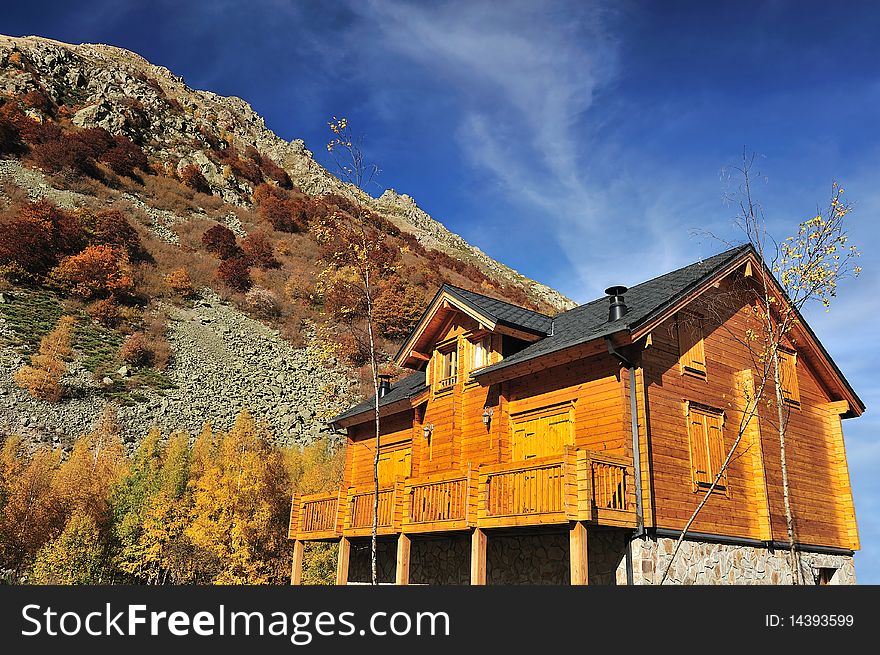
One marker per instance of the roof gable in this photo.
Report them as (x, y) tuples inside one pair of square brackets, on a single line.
[(590, 321), (491, 314)]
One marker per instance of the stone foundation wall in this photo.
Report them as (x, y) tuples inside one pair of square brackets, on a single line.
[(606, 556), (440, 560), (359, 568), (540, 559), (699, 562)]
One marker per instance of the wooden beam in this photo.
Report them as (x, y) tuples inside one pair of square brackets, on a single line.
[(478, 557), (529, 337), (839, 407), (342, 561), (296, 569), (577, 538), (403, 545)]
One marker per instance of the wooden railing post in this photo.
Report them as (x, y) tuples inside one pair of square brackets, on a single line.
[(482, 495), (478, 557), (403, 546), (342, 561), (585, 486), (473, 495), (293, 526), (577, 538), (296, 568)]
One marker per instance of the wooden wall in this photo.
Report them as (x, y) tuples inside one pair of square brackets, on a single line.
[(397, 430), (593, 386), (752, 505), (460, 437)]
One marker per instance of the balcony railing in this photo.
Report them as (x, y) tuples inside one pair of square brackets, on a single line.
[(315, 516), (532, 492), (441, 501), (578, 485), (611, 489), (360, 504)]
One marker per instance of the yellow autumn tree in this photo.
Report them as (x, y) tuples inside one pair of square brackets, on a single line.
[(29, 515), (235, 505), (76, 556), (96, 464), (42, 378), (160, 551)]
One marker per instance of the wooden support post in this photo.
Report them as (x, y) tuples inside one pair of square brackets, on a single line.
[(342, 561), (402, 575), (577, 539), (478, 557), (296, 569)]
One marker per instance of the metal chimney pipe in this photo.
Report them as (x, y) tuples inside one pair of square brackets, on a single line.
[(617, 308), (384, 384)]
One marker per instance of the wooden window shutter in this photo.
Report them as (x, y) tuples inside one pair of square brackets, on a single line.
[(542, 433), (394, 464), (699, 448), (690, 345), (717, 452), (788, 377), (706, 436)]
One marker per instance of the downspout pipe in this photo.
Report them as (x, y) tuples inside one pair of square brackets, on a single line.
[(634, 416)]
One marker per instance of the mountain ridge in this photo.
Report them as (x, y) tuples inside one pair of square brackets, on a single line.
[(236, 116)]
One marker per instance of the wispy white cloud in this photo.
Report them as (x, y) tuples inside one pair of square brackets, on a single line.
[(526, 75)]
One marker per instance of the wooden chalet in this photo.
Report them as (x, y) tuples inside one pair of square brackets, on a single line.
[(526, 447)]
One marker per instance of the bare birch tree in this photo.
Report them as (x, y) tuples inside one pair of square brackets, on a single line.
[(807, 268), (359, 249)]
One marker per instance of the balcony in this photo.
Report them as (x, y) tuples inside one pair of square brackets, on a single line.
[(532, 492), (578, 485)]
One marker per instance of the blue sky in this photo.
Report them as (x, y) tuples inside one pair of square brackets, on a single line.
[(582, 143)]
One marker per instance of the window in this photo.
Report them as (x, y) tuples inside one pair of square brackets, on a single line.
[(706, 433), (690, 345), (542, 433), (446, 374), (788, 377), (480, 351)]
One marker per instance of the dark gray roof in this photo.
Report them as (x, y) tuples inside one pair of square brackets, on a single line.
[(503, 312), (590, 321), (583, 323), (411, 385)]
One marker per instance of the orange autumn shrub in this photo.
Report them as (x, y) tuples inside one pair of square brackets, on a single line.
[(179, 283), (96, 272)]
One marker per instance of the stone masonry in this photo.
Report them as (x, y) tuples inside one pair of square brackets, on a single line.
[(705, 563)]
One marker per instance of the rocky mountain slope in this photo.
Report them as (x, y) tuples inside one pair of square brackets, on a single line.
[(122, 92), (222, 359)]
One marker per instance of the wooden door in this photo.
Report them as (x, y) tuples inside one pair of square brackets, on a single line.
[(394, 463), (541, 435)]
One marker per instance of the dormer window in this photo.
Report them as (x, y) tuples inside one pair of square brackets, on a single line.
[(446, 371), (480, 352)]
